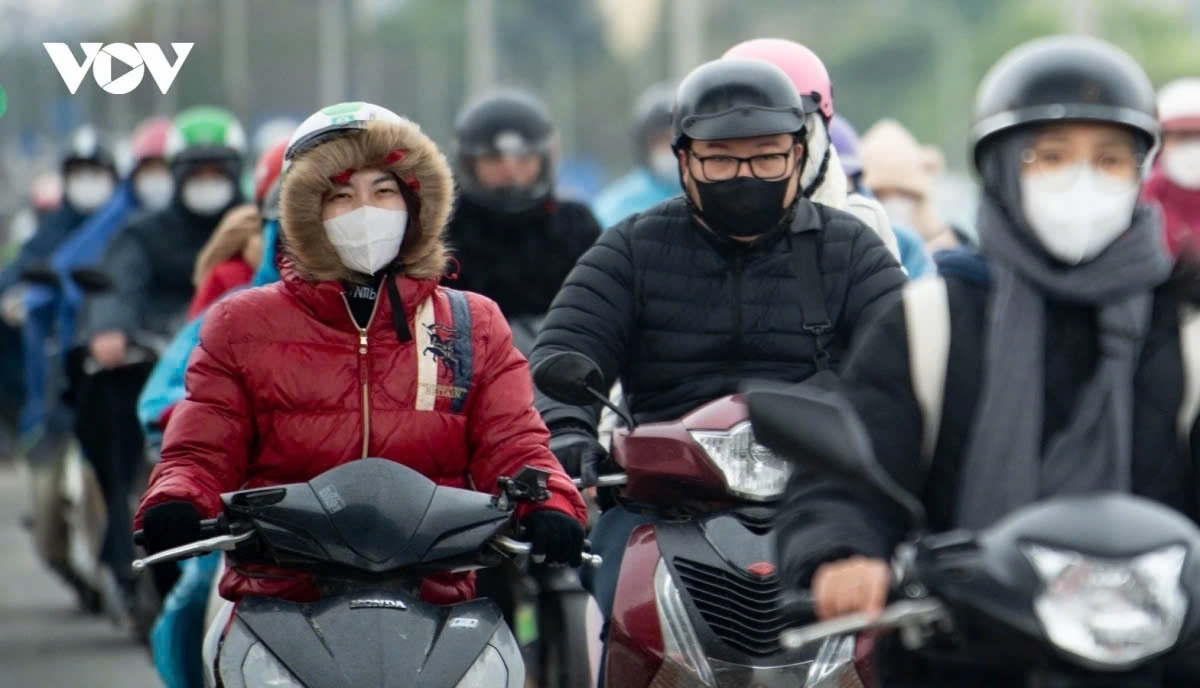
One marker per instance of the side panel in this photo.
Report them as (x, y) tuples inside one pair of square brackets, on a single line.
[(635, 643)]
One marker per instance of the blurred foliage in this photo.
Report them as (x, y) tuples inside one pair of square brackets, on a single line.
[(915, 60)]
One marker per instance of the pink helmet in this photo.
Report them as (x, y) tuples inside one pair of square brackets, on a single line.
[(802, 66), (149, 140)]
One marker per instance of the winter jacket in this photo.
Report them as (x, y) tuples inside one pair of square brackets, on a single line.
[(823, 520), (633, 193), (232, 273), (151, 262), (519, 260), (682, 316), (1180, 208), (283, 386), (51, 232)]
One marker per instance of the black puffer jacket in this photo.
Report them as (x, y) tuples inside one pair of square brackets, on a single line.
[(683, 316), (519, 260), (823, 520)]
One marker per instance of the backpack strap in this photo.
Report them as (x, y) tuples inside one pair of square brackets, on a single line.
[(1189, 348), (433, 351), (927, 324), (812, 293)]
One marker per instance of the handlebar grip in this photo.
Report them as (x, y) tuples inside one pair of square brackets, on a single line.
[(209, 527)]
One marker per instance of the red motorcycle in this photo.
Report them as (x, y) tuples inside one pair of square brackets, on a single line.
[(699, 601)]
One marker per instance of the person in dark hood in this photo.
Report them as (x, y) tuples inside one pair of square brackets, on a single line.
[(150, 264), (1064, 370), (513, 240), (685, 301)]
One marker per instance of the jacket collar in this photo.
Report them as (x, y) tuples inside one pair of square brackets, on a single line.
[(326, 300)]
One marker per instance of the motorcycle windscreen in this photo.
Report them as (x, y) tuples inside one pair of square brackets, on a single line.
[(373, 515)]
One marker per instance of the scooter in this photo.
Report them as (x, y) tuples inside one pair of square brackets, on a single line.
[(698, 601), (1073, 591), (368, 531)]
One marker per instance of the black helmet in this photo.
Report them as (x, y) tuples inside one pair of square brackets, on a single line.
[(1064, 78), (734, 98), (651, 115), (507, 121), (87, 145)]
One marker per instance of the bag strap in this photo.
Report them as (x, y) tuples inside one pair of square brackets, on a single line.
[(927, 325), (1189, 348), (812, 293)]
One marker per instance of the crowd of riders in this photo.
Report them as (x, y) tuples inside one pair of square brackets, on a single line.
[(219, 312)]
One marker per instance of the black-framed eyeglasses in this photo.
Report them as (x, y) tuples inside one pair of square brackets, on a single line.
[(769, 166)]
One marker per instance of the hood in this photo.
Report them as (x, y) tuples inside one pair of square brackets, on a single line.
[(231, 238), (305, 183), (893, 159), (831, 189)]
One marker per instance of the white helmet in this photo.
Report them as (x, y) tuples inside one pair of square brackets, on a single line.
[(332, 121), (1179, 105)]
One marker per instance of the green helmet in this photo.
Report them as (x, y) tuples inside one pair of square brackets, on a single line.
[(206, 134)]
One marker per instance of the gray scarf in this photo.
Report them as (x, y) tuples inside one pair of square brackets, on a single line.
[(1004, 466)]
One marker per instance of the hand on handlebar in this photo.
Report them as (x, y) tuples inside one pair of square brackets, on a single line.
[(169, 525), (857, 584), (109, 348), (556, 538), (580, 454)]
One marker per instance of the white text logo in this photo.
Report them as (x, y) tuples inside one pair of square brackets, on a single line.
[(99, 57)]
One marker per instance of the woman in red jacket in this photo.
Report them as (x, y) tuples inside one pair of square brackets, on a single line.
[(357, 352)]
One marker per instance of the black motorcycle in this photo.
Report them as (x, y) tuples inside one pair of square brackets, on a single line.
[(1074, 591), (369, 531)]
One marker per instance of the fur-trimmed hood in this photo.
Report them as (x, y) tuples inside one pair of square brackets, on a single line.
[(305, 183)]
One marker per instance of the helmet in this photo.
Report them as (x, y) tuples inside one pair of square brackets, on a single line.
[(801, 65), (331, 122), (505, 121), (1179, 105), (652, 114), (206, 134), (734, 98), (86, 145), (1064, 78), (149, 140), (266, 171), (845, 142)]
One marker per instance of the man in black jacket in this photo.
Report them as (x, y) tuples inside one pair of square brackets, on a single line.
[(685, 301), (513, 240)]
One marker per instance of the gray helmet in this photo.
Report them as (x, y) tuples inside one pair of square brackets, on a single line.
[(735, 98)]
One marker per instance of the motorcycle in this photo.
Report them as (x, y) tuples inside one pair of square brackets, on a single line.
[(368, 531), (1074, 591), (699, 601)]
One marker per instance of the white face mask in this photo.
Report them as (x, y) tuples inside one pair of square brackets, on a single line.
[(207, 196), (1181, 164), (900, 209), (367, 239), (154, 189), (87, 191), (1076, 213), (664, 165)]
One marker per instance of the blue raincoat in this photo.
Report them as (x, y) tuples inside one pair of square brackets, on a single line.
[(631, 194)]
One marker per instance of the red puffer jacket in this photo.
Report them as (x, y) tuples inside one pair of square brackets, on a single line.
[(283, 387)]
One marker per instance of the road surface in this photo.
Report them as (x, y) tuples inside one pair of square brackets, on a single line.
[(44, 641)]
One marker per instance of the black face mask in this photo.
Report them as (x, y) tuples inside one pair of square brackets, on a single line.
[(743, 206)]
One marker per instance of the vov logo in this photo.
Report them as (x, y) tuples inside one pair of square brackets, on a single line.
[(99, 57)]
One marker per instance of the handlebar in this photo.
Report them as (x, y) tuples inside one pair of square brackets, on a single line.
[(512, 546), (614, 480), (904, 615)]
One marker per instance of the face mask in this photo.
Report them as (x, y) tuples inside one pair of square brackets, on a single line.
[(1076, 220), (207, 196), (1181, 164), (742, 206), (664, 165), (900, 209), (87, 191), (367, 239), (154, 190)]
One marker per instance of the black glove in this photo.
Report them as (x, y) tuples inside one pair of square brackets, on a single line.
[(556, 537), (168, 525), (579, 453)]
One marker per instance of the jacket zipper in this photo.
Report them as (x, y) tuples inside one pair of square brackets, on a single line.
[(362, 367), (736, 354)]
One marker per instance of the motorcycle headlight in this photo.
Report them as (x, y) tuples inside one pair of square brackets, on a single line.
[(261, 669), (1112, 613), (491, 670), (680, 644), (751, 470)]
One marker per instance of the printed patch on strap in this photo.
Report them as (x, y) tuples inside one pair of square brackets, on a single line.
[(427, 368), (460, 348)]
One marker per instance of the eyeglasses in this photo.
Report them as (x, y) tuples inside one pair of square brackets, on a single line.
[(1118, 166), (720, 168)]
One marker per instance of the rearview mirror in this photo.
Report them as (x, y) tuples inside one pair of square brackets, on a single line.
[(92, 280), (820, 430), (40, 273), (570, 377)]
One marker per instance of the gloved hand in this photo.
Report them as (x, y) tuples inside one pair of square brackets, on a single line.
[(579, 453), (170, 524), (556, 537)]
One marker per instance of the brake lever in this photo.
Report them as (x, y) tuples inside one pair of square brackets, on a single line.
[(906, 615)]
